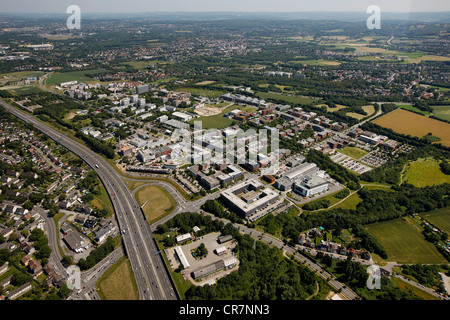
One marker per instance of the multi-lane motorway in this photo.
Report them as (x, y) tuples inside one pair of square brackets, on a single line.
[(151, 275)]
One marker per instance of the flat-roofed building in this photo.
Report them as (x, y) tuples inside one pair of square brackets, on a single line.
[(180, 254), (310, 185), (248, 197), (183, 237)]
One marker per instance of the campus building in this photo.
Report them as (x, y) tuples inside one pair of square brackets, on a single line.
[(248, 197)]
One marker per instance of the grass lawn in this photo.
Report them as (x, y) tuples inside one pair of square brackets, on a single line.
[(103, 201), (158, 202), (353, 152), (404, 243), (118, 282), (218, 121), (439, 217), (350, 203), (441, 112), (80, 76), (425, 172)]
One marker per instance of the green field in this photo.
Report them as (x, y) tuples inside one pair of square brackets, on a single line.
[(350, 203), (439, 217), (441, 112), (157, 202), (404, 242), (318, 62), (118, 282), (286, 98), (20, 75), (80, 76), (218, 121), (353, 152), (414, 109), (425, 172)]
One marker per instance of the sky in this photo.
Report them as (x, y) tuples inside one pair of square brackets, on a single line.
[(133, 6)]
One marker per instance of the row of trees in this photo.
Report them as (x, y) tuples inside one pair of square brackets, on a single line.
[(97, 255)]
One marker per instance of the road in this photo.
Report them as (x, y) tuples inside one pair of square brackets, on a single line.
[(152, 277)]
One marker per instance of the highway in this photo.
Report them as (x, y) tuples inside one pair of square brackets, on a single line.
[(152, 277)]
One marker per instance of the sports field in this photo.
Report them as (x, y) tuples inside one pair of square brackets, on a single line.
[(425, 172), (404, 243), (439, 217), (406, 122), (158, 202)]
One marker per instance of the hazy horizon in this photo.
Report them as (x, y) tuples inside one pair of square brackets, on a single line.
[(222, 6)]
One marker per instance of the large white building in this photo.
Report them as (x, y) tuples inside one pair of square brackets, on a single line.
[(310, 185), (182, 257)]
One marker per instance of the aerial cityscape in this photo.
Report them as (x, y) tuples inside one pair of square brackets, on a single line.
[(244, 155)]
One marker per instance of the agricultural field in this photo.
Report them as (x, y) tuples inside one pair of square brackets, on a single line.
[(118, 282), (441, 112), (157, 202), (354, 152), (318, 62), (80, 76), (425, 172), (329, 109), (369, 110), (406, 122), (439, 217), (404, 242)]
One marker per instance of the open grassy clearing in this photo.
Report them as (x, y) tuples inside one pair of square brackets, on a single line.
[(158, 202), (318, 62), (404, 243), (20, 75), (350, 203), (406, 122), (286, 98), (218, 121), (118, 282), (441, 112), (412, 108), (103, 201), (425, 172), (353, 152), (439, 217), (329, 109), (80, 76)]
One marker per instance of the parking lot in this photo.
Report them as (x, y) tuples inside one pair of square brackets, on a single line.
[(350, 163)]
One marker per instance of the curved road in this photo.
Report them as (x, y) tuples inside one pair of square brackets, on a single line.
[(153, 280)]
